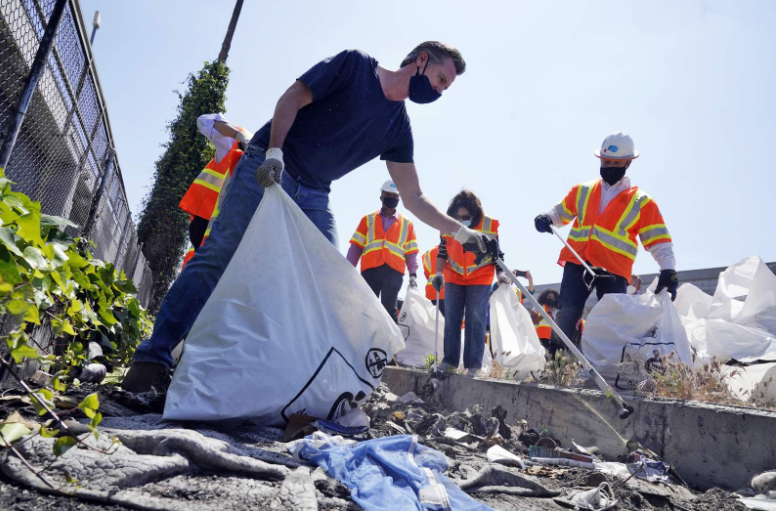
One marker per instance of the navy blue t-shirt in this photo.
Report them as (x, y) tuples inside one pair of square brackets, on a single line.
[(349, 122)]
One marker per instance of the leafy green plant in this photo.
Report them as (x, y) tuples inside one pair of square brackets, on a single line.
[(50, 281), (428, 362)]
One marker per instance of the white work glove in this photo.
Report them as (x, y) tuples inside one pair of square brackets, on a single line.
[(242, 140), (438, 281), (413, 281), (503, 279), (471, 240), (271, 171)]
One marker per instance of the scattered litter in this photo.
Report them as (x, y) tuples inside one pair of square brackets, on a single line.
[(592, 450), (410, 398), (764, 490), (564, 462), (597, 499), (644, 467), (335, 428), (498, 454), (538, 451), (612, 468)]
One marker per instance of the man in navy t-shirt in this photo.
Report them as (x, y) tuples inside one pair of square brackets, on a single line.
[(345, 111)]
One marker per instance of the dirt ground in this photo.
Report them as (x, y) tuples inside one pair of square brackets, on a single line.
[(391, 415)]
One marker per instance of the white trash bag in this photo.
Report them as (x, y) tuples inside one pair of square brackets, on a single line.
[(513, 337), (417, 321), (627, 337), (739, 321), (290, 328)]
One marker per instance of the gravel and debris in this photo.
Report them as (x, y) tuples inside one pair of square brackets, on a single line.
[(464, 437)]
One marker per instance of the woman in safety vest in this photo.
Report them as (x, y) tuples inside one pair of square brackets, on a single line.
[(467, 286)]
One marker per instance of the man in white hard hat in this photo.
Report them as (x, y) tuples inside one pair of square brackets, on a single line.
[(607, 213), (385, 242)]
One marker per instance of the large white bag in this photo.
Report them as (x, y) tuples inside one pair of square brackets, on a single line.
[(417, 322), (739, 321), (513, 337), (290, 328), (628, 336)]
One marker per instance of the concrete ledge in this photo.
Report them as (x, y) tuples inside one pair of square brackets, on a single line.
[(710, 445)]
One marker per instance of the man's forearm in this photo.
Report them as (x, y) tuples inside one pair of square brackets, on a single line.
[(440, 265), (225, 129), (425, 210)]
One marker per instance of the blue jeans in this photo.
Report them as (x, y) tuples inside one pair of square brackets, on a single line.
[(573, 295), (194, 285), (473, 301)]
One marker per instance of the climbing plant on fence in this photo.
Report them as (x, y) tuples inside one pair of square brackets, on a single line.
[(50, 279), (163, 227)]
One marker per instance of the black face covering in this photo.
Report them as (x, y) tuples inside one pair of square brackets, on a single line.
[(611, 175), (390, 202)]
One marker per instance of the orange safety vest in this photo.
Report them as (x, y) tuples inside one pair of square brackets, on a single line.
[(608, 239), (460, 268), (200, 194), (543, 329), (520, 297), (381, 247), (429, 264), (201, 197)]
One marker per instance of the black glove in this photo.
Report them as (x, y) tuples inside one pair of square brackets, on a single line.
[(438, 282), (543, 223), (669, 281)]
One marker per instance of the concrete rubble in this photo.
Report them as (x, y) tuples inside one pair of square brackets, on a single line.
[(176, 466)]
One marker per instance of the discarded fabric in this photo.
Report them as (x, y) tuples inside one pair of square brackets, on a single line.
[(394, 472)]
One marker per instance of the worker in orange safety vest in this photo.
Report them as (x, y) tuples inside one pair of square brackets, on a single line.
[(385, 243), (608, 213), (201, 199)]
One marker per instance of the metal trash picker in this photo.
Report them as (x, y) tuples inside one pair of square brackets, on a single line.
[(601, 274), (623, 409), (436, 333)]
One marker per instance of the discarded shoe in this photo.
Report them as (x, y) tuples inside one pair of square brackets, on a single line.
[(144, 375), (473, 372), (444, 367)]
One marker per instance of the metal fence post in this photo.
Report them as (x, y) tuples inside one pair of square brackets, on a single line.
[(121, 240), (98, 197), (36, 70)]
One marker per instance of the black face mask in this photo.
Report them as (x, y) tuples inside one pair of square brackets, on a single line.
[(421, 90), (390, 202), (611, 175)]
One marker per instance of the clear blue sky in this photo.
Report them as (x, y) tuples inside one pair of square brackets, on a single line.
[(692, 81)]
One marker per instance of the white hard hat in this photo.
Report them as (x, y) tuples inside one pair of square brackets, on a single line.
[(389, 187), (617, 146)]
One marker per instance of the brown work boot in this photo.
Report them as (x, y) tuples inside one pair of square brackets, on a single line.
[(144, 375)]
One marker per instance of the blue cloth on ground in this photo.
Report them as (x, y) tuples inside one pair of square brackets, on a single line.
[(391, 473)]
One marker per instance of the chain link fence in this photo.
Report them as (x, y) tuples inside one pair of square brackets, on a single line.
[(64, 155)]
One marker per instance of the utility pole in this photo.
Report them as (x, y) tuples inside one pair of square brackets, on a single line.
[(230, 32)]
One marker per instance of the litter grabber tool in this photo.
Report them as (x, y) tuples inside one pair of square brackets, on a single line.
[(436, 333), (623, 409), (592, 273)]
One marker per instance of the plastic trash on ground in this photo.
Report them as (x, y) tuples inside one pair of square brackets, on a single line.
[(290, 328), (627, 337), (513, 338)]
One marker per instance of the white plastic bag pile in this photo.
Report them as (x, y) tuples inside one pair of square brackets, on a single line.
[(290, 328), (739, 323), (627, 337), (514, 343)]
